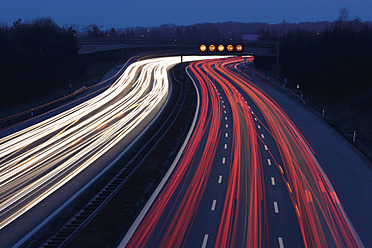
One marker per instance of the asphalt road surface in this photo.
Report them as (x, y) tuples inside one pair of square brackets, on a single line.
[(44, 164), (247, 177)]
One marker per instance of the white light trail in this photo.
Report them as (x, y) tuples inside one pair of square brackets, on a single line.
[(37, 160)]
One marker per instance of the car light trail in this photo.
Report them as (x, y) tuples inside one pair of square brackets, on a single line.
[(244, 219), (37, 160), (179, 225), (323, 222), (176, 231), (236, 210)]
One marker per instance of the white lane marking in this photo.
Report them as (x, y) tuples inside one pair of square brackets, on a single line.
[(265, 146), (221, 97), (276, 208), (205, 240), (259, 127), (255, 119), (224, 111), (268, 161), (272, 181), (225, 146), (223, 102), (227, 125), (262, 136), (223, 160), (225, 118), (226, 135), (223, 106), (213, 205), (252, 112), (281, 244), (220, 179)]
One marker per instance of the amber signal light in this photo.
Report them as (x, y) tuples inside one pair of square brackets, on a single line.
[(230, 48), (212, 48)]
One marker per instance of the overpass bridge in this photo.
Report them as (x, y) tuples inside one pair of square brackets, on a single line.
[(256, 48)]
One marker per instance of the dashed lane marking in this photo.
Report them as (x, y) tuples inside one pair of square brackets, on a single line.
[(273, 181), (205, 240), (276, 208), (281, 244), (213, 205)]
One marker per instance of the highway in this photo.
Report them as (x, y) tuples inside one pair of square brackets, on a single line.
[(246, 178), (40, 159)]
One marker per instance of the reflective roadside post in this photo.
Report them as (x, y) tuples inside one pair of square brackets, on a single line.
[(354, 136), (323, 113)]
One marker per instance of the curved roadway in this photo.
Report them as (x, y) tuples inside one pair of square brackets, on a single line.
[(41, 166), (247, 177)]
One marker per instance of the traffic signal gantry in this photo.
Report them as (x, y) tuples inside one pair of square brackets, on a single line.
[(220, 49)]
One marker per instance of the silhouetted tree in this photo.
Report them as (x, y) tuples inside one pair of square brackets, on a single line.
[(36, 57), (334, 63)]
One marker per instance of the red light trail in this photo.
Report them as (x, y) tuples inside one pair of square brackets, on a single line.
[(244, 221)]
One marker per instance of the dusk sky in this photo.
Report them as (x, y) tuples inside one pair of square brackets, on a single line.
[(115, 13)]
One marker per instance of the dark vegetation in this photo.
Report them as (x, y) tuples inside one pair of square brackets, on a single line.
[(198, 32), (329, 60), (36, 57), (332, 68), (335, 63)]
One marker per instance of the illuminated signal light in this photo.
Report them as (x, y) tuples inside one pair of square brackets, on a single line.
[(239, 48), (212, 48), (230, 48), (203, 48), (221, 48)]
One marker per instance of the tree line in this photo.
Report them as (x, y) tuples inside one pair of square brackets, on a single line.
[(36, 57), (325, 57), (232, 31), (334, 63)]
